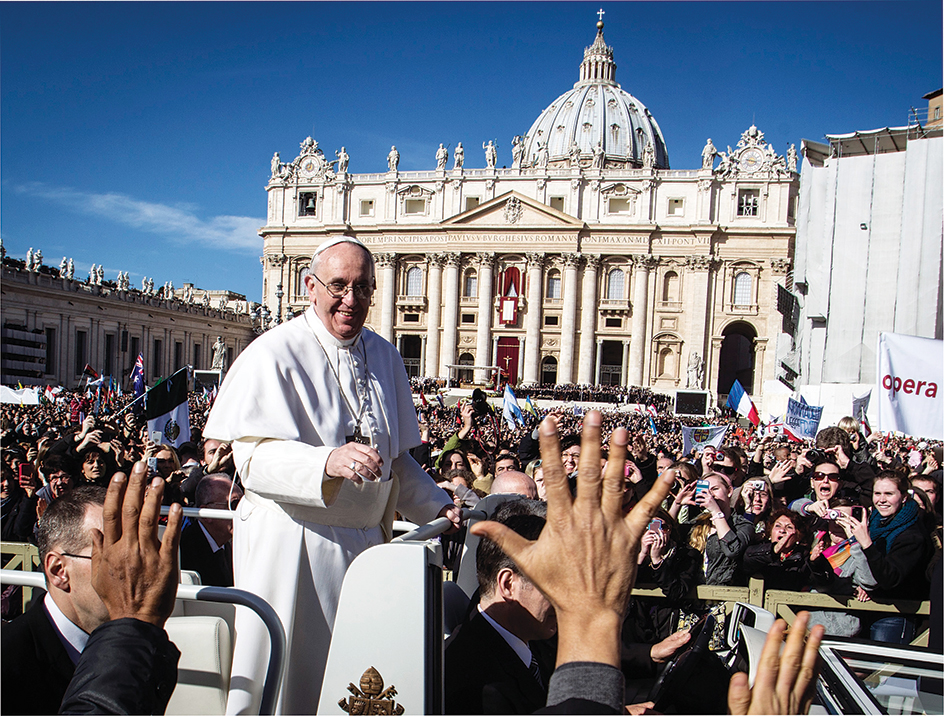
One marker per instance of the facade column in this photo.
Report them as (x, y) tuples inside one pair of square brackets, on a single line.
[(388, 294), (565, 367), (637, 352), (714, 364), (423, 354), (588, 318), (760, 352), (484, 328), (450, 332), (696, 286), (433, 314), (624, 372), (532, 352), (596, 369)]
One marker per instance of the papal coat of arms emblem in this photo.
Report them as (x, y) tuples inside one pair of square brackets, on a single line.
[(171, 430), (699, 435), (371, 697)]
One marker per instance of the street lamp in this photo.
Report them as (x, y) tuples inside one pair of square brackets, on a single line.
[(278, 294)]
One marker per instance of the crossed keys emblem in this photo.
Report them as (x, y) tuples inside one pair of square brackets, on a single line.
[(371, 697)]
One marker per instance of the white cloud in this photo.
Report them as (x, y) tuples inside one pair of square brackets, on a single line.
[(178, 223)]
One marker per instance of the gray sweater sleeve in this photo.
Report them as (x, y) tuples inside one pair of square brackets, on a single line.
[(587, 680)]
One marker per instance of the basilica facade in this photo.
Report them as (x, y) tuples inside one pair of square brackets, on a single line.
[(589, 260)]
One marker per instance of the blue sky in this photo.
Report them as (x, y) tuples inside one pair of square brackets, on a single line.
[(138, 135)]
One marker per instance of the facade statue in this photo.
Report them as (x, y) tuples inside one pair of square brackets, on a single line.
[(442, 156), (598, 156), (219, 355), (28, 264), (393, 159), (696, 371), (543, 155), (708, 155), (70, 270), (101, 275), (188, 294), (37, 260), (206, 299), (62, 267), (343, 160), (574, 155), (459, 156), (93, 274), (792, 158), (276, 166), (648, 156), (491, 154), (517, 151)]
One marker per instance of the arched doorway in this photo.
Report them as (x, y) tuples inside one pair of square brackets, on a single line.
[(736, 359), (549, 370), (465, 375), (411, 348)]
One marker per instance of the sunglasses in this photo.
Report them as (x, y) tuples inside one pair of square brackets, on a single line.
[(825, 476), (726, 469)]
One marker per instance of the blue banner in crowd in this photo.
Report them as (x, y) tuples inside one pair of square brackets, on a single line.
[(803, 419)]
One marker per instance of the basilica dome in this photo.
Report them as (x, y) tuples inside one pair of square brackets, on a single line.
[(596, 111)]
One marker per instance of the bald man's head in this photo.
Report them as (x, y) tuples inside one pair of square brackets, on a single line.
[(512, 482)]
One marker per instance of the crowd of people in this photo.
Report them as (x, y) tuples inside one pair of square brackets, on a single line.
[(849, 515)]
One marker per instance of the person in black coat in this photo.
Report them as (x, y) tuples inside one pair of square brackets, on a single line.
[(206, 544), (491, 665), (782, 559)]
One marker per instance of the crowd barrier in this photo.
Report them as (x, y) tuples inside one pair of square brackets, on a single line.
[(25, 557)]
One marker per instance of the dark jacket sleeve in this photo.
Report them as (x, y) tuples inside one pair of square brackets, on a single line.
[(127, 667), (897, 569), (758, 557), (679, 574)]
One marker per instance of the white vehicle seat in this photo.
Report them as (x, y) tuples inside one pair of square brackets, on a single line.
[(203, 672)]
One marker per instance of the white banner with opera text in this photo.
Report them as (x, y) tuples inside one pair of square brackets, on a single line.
[(910, 374)]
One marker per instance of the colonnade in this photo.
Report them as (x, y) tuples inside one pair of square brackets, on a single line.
[(576, 361)]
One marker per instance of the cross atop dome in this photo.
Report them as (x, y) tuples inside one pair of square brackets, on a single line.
[(600, 14)]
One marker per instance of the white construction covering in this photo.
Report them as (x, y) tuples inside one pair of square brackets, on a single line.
[(868, 251)]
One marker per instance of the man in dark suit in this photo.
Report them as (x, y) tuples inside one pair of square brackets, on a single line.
[(206, 544), (492, 665), (40, 648)]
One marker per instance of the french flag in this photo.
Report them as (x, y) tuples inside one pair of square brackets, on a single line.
[(741, 402)]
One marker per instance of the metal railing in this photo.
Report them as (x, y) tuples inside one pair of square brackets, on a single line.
[(221, 595)]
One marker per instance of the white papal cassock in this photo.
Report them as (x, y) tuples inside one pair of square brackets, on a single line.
[(296, 532)]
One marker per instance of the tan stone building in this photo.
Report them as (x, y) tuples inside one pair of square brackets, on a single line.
[(52, 326), (588, 261)]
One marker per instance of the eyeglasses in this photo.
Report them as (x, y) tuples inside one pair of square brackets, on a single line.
[(60, 478), (336, 289), (726, 469), (232, 504), (833, 476)]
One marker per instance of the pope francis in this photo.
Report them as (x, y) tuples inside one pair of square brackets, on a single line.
[(321, 419)]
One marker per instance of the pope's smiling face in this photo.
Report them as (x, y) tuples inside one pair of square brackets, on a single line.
[(348, 265)]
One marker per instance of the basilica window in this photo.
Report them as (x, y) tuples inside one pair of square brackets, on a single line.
[(471, 202), (748, 200), (553, 284), (367, 207), (676, 207), (551, 320), (307, 203), (549, 370), (743, 288), (615, 284), (414, 206), (670, 287), (616, 205), (557, 202), (414, 281), (470, 284)]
